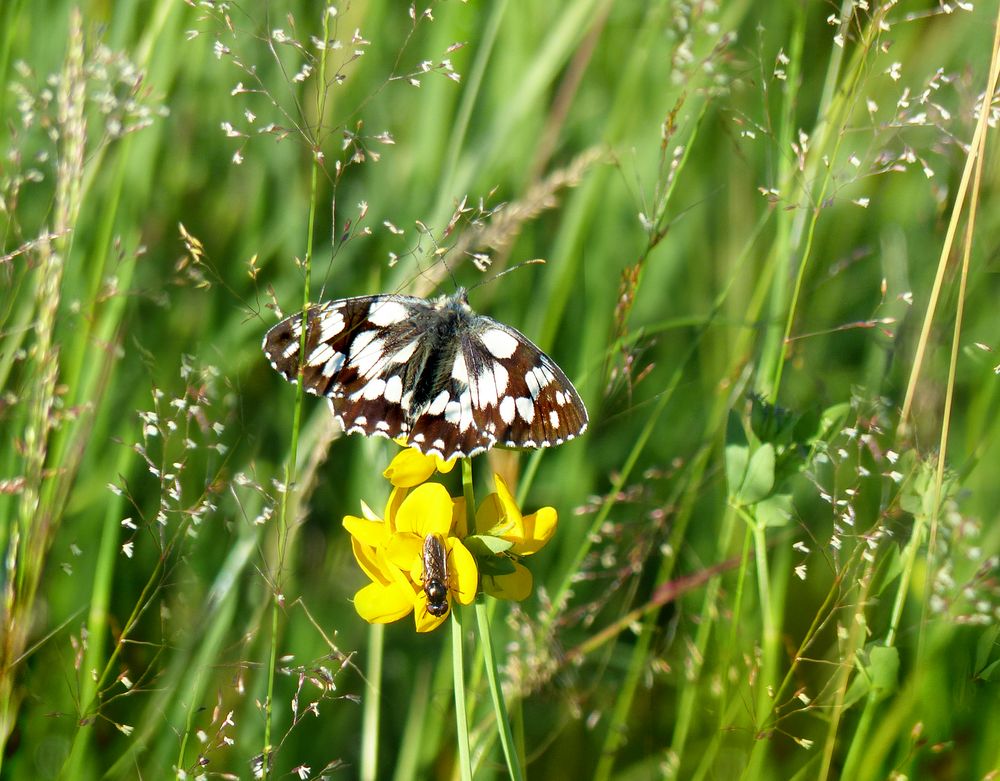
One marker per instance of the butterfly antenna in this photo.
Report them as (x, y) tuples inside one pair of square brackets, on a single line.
[(532, 262)]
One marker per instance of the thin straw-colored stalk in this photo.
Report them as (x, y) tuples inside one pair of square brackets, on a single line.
[(961, 192), (923, 524), (978, 154)]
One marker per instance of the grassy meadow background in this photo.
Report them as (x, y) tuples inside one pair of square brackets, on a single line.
[(771, 271)]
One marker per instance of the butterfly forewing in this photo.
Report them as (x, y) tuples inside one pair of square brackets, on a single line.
[(452, 382)]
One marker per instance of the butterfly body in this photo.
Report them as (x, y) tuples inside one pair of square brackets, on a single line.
[(450, 381)]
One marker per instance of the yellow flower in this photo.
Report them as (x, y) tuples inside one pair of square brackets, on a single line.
[(391, 554), (500, 517), (410, 467)]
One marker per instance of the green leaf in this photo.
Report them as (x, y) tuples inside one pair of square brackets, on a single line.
[(990, 672), (883, 669), (832, 419), (759, 478), (737, 457), (496, 565), (485, 545), (911, 503), (880, 675), (890, 568), (775, 510), (737, 454), (985, 648)]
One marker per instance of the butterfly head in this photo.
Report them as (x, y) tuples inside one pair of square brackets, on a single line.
[(459, 301)]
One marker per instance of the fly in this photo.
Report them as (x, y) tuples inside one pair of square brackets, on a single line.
[(435, 576)]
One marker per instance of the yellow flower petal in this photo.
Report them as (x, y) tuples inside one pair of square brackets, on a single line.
[(515, 586), (425, 510), (537, 529), (371, 533), (404, 551), (463, 574), (368, 561), (396, 497), (490, 517), (444, 467), (511, 513), (409, 468), (381, 604)]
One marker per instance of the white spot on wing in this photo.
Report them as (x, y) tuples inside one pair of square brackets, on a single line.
[(459, 371), (507, 410), (368, 354), (394, 389), (373, 390), (321, 354), (466, 401), (536, 379), (387, 312), (526, 409), (459, 413), (404, 354), (333, 365), (500, 343), (361, 341), (490, 385), (554, 419), (331, 323), (437, 406)]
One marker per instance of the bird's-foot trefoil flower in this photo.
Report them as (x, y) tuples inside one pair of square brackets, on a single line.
[(391, 553), (509, 535), (421, 558)]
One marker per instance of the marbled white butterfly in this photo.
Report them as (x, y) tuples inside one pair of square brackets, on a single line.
[(452, 382)]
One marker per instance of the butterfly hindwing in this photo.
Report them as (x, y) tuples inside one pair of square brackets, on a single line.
[(448, 380)]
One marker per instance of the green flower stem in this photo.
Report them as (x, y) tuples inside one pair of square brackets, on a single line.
[(372, 703), (457, 658), (458, 669), (486, 641), (499, 706), (470, 496)]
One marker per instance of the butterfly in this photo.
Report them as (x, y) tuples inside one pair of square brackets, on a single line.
[(432, 372)]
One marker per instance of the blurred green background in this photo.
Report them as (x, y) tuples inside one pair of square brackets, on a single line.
[(731, 198)]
